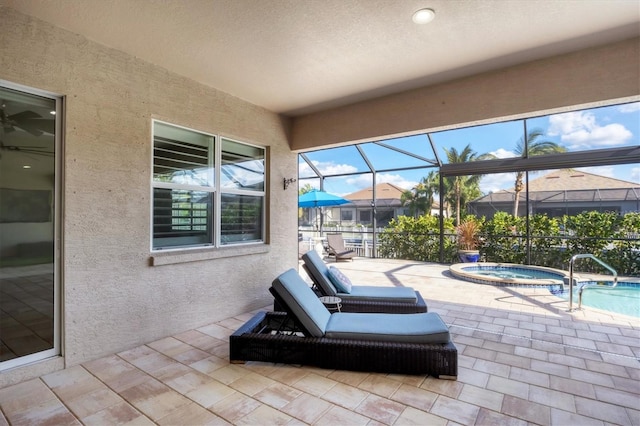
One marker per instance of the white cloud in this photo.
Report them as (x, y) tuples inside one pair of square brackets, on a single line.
[(628, 108), (330, 168), (360, 181), (503, 153), (396, 180), (635, 174), (364, 181), (496, 182), (579, 130), (315, 183), (327, 168)]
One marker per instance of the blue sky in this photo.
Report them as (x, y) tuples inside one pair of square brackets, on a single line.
[(598, 128)]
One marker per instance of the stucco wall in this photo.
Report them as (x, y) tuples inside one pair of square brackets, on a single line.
[(584, 78), (113, 296)]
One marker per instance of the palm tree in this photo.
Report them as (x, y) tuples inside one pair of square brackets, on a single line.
[(306, 188), (461, 189), (420, 197), (534, 147), (411, 198), (431, 184)]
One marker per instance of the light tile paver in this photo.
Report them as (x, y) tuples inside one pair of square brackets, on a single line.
[(413, 416), (346, 396), (307, 408), (380, 409), (455, 410), (527, 410), (522, 359), (609, 413), (418, 398), (482, 397), (508, 387)]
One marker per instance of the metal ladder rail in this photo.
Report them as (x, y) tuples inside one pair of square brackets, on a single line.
[(582, 288)]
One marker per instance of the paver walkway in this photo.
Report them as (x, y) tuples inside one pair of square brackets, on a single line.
[(522, 360)]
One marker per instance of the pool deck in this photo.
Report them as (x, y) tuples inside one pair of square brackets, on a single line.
[(523, 359)]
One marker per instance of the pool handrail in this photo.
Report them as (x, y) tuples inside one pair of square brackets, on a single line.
[(583, 256)]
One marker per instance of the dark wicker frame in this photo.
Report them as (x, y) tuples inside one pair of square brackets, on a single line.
[(275, 337)]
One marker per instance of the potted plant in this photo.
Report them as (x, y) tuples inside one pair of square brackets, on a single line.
[(469, 240)]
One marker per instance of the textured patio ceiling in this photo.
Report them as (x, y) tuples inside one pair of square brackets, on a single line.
[(301, 56)]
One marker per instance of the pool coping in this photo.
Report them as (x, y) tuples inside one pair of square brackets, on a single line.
[(457, 271)]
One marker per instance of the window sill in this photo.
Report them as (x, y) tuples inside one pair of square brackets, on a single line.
[(200, 254)]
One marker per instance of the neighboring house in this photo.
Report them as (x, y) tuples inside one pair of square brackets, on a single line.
[(564, 192), (359, 211), (132, 255)]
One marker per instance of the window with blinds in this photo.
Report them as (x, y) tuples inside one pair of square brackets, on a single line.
[(196, 203)]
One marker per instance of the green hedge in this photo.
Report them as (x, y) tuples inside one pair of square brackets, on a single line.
[(610, 237), (416, 239)]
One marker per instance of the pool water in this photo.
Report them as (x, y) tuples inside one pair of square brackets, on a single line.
[(623, 299), (528, 274), (507, 274)]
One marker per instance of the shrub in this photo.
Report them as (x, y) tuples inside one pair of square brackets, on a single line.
[(546, 243), (624, 256), (612, 238), (416, 239), (504, 241)]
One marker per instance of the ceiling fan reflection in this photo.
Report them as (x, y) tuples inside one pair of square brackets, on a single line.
[(29, 121), (29, 150)]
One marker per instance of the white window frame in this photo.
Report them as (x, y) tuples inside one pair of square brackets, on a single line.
[(215, 162), (235, 191)]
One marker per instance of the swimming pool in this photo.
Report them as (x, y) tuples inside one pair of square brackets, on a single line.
[(507, 274), (623, 299)]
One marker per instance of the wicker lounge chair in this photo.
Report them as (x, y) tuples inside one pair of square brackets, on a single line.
[(362, 298), (336, 248), (308, 334)]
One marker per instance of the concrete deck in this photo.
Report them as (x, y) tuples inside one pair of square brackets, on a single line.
[(522, 360)]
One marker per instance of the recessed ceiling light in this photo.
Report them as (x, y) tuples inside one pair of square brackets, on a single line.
[(52, 112), (424, 16), (26, 166)]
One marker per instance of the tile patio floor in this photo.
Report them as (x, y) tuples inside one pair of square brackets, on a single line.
[(522, 360)]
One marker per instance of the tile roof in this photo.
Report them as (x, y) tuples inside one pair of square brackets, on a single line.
[(384, 191), (571, 185), (569, 179)]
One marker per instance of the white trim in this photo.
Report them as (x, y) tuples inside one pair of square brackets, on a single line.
[(215, 154)]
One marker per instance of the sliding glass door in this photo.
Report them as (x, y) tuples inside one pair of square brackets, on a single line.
[(28, 225)]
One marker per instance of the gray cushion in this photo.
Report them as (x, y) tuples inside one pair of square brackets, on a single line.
[(369, 292), (303, 303), (339, 280), (320, 272), (407, 328)]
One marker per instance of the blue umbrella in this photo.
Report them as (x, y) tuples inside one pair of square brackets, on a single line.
[(317, 198)]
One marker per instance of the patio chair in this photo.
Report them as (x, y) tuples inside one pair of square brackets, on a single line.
[(336, 248), (361, 298), (308, 334)]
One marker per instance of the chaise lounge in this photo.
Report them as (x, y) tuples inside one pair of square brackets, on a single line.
[(361, 298), (307, 333), (337, 249)]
